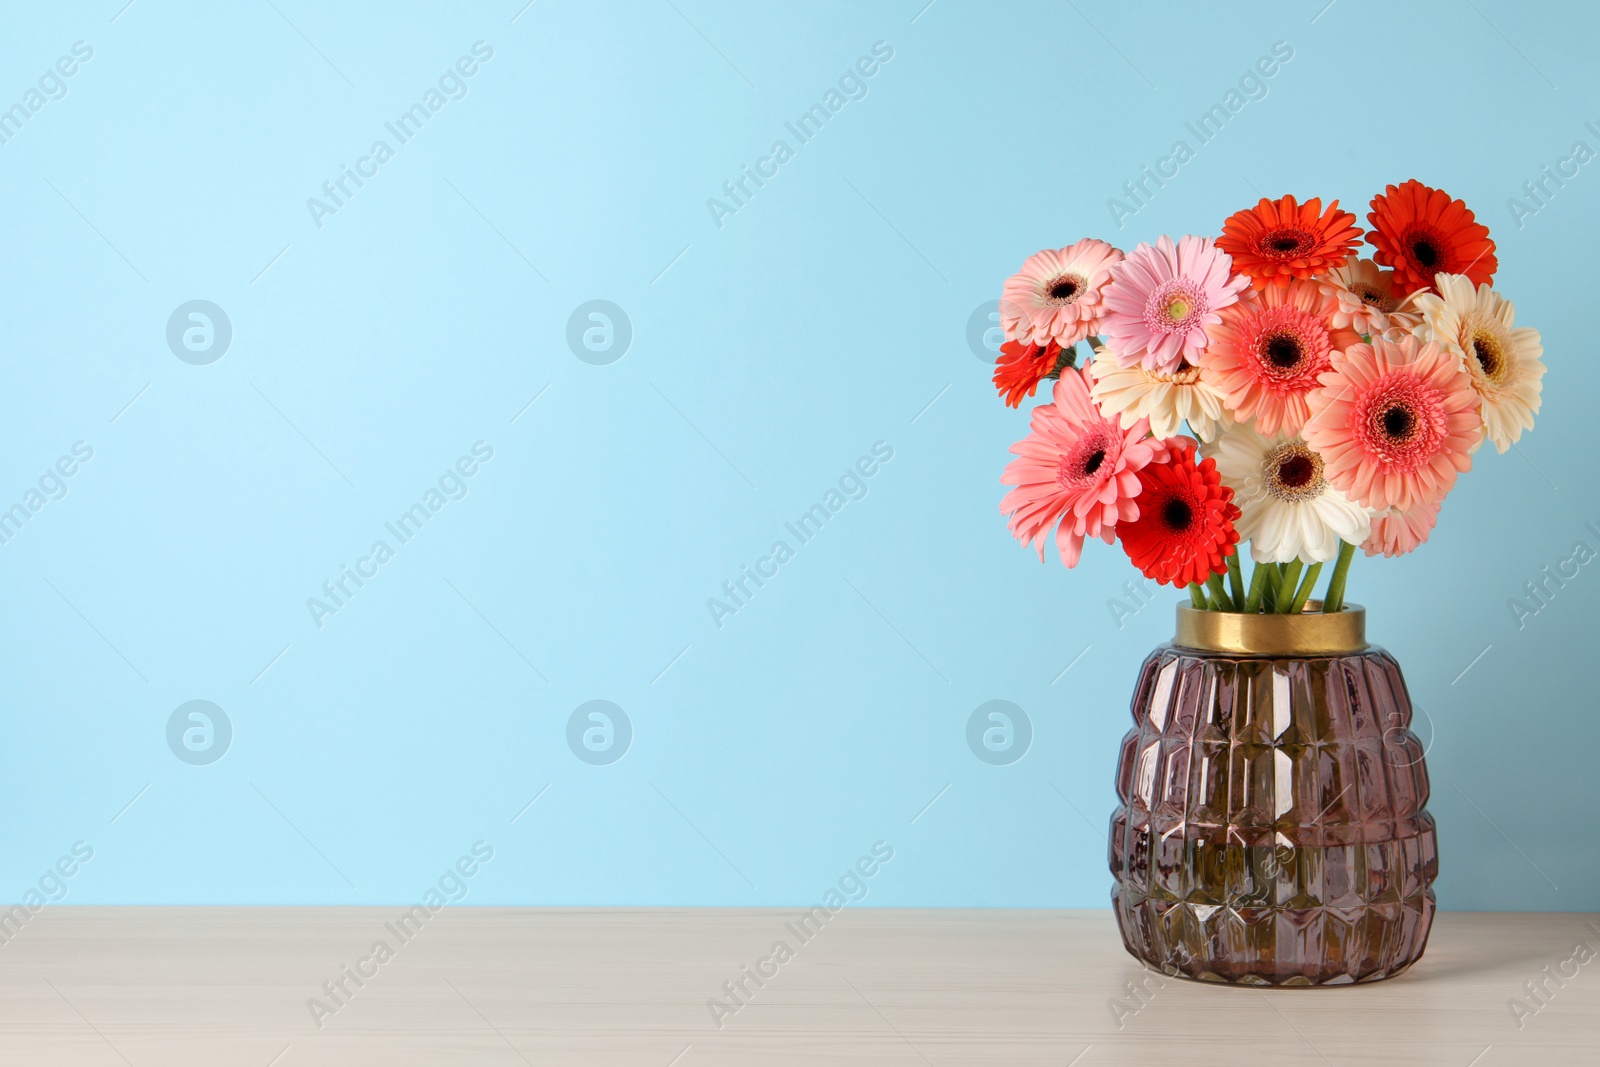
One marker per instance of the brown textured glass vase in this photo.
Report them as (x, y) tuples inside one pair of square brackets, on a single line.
[(1272, 828)]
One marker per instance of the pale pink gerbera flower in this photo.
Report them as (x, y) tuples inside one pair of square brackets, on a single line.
[(1504, 361), (1394, 533), (1161, 301), (1076, 470), (1056, 296), (1267, 354), (1395, 423), (1368, 302)]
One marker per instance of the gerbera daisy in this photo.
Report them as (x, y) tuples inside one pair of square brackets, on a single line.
[(1368, 302), (1020, 368), (1288, 509), (1394, 533), (1503, 360), (1184, 530), (1268, 351), (1421, 232), (1056, 296), (1394, 422), (1161, 300), (1168, 400), (1283, 239), (1076, 470)]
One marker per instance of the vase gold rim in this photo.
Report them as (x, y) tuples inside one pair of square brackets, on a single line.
[(1310, 633)]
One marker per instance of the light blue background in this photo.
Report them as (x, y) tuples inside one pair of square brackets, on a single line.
[(768, 354)]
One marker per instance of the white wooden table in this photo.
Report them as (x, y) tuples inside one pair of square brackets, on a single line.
[(231, 986)]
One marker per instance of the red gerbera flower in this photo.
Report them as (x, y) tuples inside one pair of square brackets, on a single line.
[(1421, 232), (1021, 367), (1184, 532), (1279, 240)]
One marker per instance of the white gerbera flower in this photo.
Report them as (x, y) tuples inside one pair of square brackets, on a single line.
[(1169, 400), (1288, 511), (1504, 361), (1367, 301)]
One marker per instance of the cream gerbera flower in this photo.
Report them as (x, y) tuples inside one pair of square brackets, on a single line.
[(1169, 400), (1504, 360), (1289, 511), (1366, 296)]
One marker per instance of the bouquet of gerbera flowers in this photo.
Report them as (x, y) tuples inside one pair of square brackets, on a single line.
[(1331, 399)]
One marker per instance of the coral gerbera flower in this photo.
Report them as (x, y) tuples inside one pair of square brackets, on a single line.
[(1020, 368), (1394, 533), (1076, 470), (1056, 296), (1266, 355), (1283, 239), (1421, 232), (1288, 510), (1368, 302), (1161, 300), (1184, 531), (1503, 360), (1168, 400), (1395, 423)]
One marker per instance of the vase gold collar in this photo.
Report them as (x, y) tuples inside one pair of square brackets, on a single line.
[(1310, 633)]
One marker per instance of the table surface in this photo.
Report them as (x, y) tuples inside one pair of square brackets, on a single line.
[(242, 986)]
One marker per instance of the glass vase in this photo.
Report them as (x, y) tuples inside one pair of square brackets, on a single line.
[(1272, 828)]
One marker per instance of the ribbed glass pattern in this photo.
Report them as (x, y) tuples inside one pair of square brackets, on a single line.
[(1272, 828)]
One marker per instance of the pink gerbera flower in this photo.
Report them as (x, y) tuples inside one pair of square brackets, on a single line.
[(1266, 355), (1056, 296), (1395, 423), (1394, 533), (1076, 470), (1161, 300)]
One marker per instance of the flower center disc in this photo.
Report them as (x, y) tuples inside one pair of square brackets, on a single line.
[(1186, 374), (1283, 244), (1283, 350), (1293, 472), (1399, 423), (1490, 354), (1065, 289), (1424, 249), (1081, 467), (1371, 297), (1177, 514)]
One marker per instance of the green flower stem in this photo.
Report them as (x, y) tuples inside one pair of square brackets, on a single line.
[(1306, 585), (1197, 597), (1235, 580), (1219, 593), (1333, 599), (1258, 587), (1269, 589), (1286, 588)]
